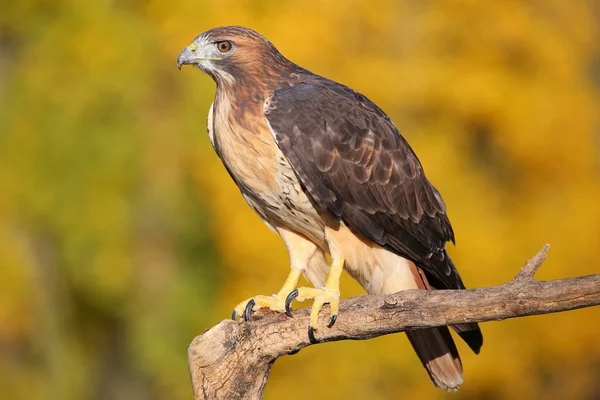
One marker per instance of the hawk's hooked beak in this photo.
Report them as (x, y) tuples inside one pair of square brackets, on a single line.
[(190, 55)]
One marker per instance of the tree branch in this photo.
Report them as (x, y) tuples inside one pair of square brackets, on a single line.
[(232, 360)]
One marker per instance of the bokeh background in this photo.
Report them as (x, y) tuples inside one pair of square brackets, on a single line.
[(122, 236)]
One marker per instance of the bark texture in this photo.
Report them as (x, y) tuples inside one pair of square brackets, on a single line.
[(233, 360)]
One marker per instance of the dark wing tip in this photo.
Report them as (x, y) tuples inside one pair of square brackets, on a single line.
[(473, 338)]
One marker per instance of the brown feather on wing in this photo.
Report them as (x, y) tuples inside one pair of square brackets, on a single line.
[(354, 163)]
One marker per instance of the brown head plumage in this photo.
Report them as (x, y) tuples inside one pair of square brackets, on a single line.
[(234, 54)]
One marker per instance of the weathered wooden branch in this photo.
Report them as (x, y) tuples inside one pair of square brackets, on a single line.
[(232, 360)]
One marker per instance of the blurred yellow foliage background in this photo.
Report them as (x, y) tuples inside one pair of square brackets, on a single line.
[(122, 236)]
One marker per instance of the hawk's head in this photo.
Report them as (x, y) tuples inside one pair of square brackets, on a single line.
[(232, 53)]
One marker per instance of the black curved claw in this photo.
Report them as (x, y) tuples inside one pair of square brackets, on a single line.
[(288, 301), (311, 335), (248, 310), (234, 315), (332, 321)]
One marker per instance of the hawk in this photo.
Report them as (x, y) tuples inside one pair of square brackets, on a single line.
[(327, 170)]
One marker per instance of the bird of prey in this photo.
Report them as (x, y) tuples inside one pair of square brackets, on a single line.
[(327, 170)]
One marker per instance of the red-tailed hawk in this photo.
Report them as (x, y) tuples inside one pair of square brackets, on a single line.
[(327, 170)]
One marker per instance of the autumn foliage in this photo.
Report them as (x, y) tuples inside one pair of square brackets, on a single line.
[(122, 236)]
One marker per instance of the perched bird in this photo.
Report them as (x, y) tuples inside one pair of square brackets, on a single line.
[(327, 170)]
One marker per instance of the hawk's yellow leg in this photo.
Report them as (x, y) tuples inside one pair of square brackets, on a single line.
[(275, 302), (328, 294)]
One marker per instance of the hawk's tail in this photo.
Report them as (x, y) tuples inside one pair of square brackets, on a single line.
[(434, 346), (439, 356)]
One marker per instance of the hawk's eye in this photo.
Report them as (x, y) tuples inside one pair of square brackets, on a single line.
[(224, 46)]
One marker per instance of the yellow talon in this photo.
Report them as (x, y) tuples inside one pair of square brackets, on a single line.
[(275, 302), (329, 294)]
